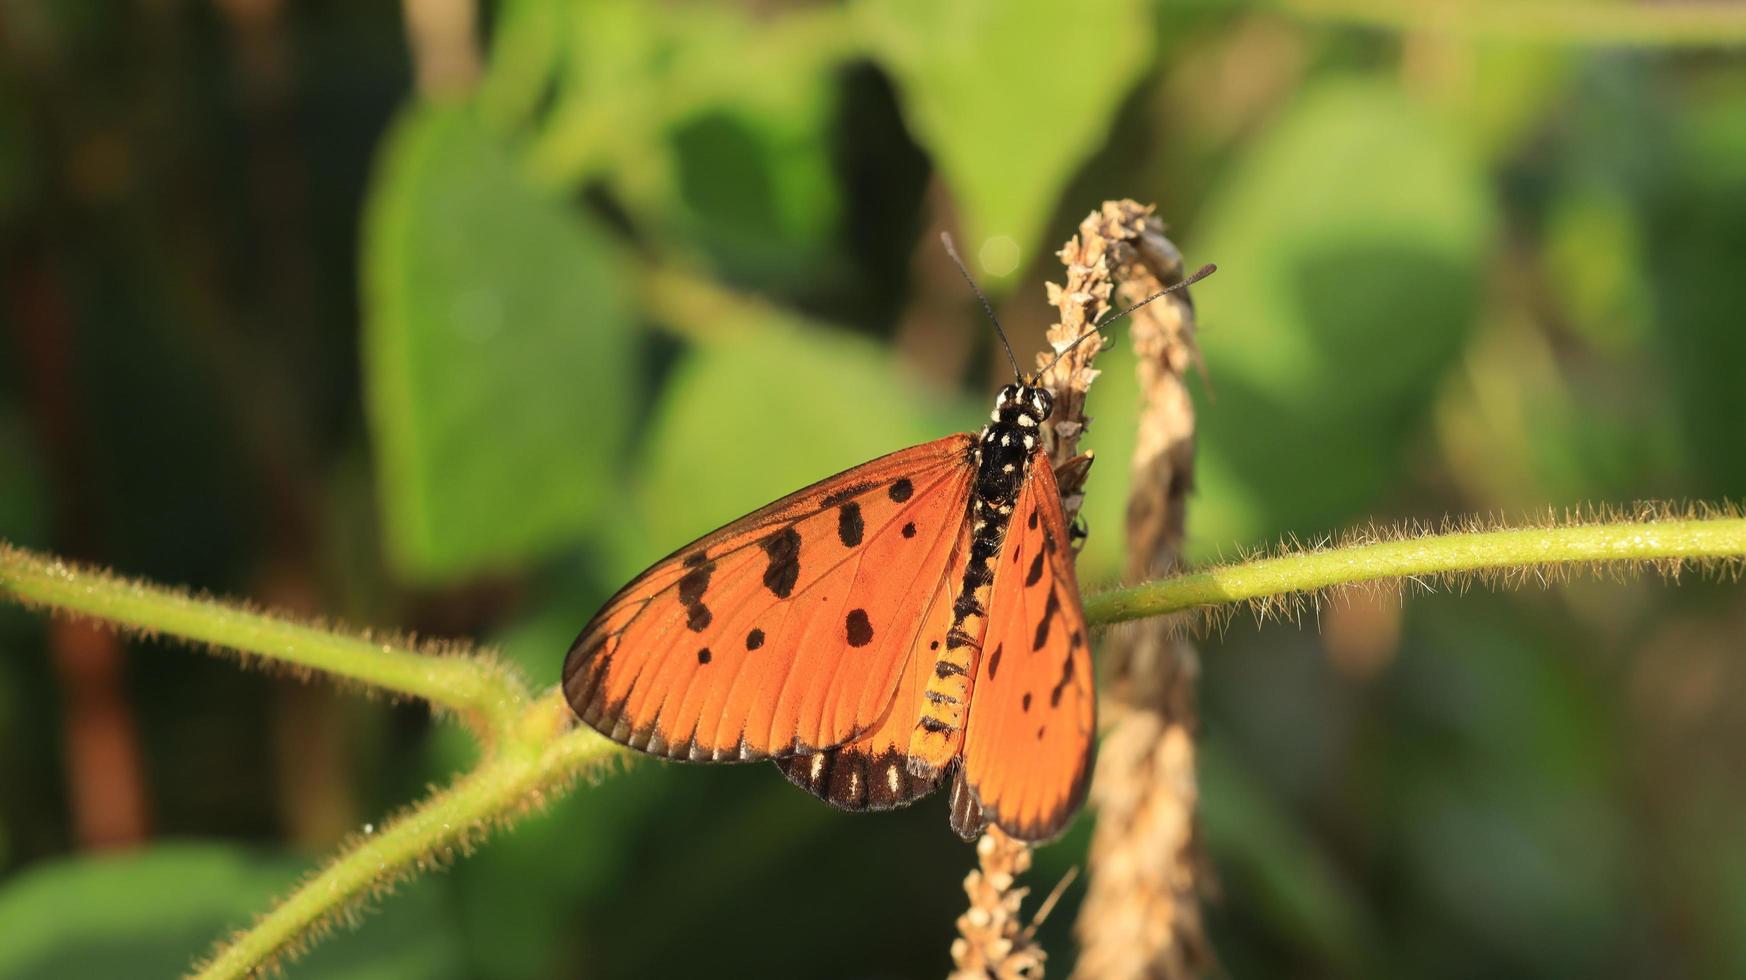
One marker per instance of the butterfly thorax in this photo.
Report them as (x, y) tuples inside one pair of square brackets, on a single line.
[(1002, 454), (1003, 450)]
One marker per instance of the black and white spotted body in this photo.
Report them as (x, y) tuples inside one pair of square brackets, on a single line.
[(1002, 455)]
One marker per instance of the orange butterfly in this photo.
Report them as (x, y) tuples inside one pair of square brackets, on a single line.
[(908, 619)]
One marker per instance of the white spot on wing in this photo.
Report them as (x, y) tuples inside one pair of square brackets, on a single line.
[(818, 763), (891, 777)]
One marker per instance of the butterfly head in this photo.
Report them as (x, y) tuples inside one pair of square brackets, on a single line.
[(1024, 400)]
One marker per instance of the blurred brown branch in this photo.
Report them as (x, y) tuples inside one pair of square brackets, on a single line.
[(1141, 916), (445, 46)]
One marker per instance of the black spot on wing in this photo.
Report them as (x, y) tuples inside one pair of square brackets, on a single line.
[(1035, 575), (994, 660), (1025, 702), (695, 559), (703, 655), (858, 628), (1031, 522), (783, 550), (1050, 608), (754, 639), (691, 589), (695, 582), (909, 530), (849, 524), (901, 490), (1061, 685)]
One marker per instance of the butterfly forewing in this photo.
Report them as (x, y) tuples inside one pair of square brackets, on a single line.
[(1028, 742), (786, 631)]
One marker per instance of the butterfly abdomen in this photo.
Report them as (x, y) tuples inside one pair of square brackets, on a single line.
[(1003, 456)]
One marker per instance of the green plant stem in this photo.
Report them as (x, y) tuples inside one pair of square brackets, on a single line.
[(534, 754), (1502, 550), (540, 758), (484, 693), (1688, 24)]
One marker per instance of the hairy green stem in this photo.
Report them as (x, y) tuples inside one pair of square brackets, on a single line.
[(1677, 24), (1475, 551), (534, 754), (483, 692), (539, 760)]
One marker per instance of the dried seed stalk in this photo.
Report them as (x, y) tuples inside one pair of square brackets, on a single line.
[(1115, 244), (1141, 916), (992, 940)]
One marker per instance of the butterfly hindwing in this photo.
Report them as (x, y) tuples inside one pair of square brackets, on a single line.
[(872, 772), (787, 631), (1029, 740)]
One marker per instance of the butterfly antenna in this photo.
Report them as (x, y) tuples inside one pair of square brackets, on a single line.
[(952, 250), (1201, 273)]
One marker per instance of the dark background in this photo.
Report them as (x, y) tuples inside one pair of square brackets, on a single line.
[(295, 309)]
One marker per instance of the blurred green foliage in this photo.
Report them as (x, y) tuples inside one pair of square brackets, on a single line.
[(476, 363), (139, 915), (273, 324)]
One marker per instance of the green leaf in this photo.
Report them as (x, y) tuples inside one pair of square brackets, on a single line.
[(1010, 97), (1349, 242), (526, 52), (705, 154), (499, 358), (754, 187), (744, 422), (153, 913)]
